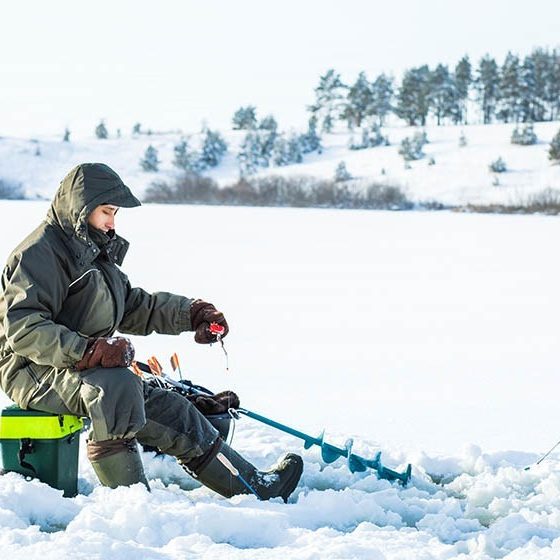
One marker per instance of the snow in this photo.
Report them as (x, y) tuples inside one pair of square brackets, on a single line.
[(428, 336), (460, 174)]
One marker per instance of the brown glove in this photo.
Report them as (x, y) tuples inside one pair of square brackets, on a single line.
[(202, 314), (216, 404), (107, 352)]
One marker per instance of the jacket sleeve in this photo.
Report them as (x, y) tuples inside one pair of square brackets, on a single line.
[(159, 312), (34, 286)]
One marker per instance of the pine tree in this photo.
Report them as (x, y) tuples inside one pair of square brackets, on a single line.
[(462, 139), (542, 64), (382, 98), (311, 141), (136, 129), (443, 95), (185, 159), (213, 149), (413, 148), (498, 166), (249, 156), (487, 85), (101, 131), (554, 149), (66, 137), (341, 174), (530, 106), (245, 118), (280, 156), (371, 137), (150, 161), (525, 137), (463, 80), (329, 99), (510, 90), (358, 102), (413, 99), (268, 123)]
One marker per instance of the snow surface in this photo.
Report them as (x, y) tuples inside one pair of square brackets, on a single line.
[(429, 336), (459, 176)]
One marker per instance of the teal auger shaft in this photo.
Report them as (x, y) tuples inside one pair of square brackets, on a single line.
[(331, 453)]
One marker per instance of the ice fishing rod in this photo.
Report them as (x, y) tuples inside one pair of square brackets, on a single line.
[(543, 457)]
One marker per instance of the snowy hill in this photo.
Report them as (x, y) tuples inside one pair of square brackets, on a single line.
[(460, 175)]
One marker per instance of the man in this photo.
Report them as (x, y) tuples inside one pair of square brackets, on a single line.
[(64, 296)]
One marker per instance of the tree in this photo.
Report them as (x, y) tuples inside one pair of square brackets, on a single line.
[(329, 99), (382, 98), (249, 156), (136, 129), (498, 166), (358, 102), (341, 174), (413, 99), (371, 137), (413, 148), (443, 95), (150, 160), (66, 137), (463, 80), (185, 159), (311, 141), (554, 149), (213, 149), (487, 85), (101, 131), (525, 137), (510, 90), (245, 118), (268, 123)]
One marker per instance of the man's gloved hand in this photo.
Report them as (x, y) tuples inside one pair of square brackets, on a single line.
[(107, 352), (216, 404), (202, 314)]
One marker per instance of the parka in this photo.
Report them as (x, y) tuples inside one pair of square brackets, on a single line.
[(63, 284)]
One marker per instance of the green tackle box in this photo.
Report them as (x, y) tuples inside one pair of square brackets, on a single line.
[(41, 445)]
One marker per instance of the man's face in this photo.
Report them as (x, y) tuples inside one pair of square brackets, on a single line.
[(103, 217)]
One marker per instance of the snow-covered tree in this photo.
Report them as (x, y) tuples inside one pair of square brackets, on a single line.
[(245, 118), (371, 137), (463, 79), (341, 173), (66, 137), (510, 90), (101, 131), (554, 149), (311, 141), (413, 99), (525, 137), (487, 84), (443, 95), (136, 129), (186, 159), (213, 149), (382, 98), (358, 102), (249, 156), (294, 149), (462, 139), (268, 123), (498, 166), (413, 148), (150, 161), (329, 99)]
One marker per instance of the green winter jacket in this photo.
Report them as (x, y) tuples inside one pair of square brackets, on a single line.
[(63, 284)]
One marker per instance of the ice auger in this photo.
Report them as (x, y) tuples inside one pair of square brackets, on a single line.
[(329, 452)]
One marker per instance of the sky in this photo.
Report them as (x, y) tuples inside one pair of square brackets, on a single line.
[(181, 64)]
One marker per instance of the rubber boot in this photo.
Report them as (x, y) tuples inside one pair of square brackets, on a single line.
[(280, 481), (117, 463)]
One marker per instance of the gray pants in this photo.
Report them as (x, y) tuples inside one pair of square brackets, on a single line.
[(121, 405)]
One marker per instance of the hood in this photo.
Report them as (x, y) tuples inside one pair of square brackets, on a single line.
[(87, 186), (84, 188)]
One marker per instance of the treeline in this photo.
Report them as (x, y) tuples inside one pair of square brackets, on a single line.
[(519, 90)]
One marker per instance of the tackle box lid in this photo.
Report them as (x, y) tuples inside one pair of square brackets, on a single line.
[(16, 423)]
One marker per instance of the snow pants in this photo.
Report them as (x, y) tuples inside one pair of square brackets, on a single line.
[(121, 405)]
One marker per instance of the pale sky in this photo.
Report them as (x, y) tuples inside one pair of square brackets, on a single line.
[(174, 64)]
